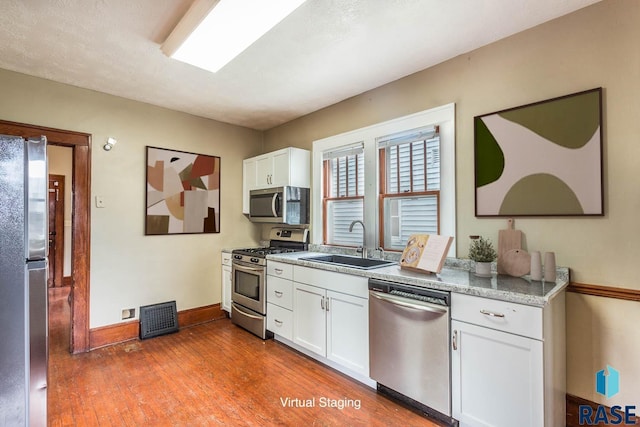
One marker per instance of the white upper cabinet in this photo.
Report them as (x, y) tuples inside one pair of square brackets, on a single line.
[(289, 166)]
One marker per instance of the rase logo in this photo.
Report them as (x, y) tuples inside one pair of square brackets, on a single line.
[(608, 385)]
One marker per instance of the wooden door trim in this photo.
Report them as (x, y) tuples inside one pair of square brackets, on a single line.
[(59, 229), (81, 188)]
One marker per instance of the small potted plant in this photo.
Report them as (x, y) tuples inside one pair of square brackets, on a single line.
[(481, 251)]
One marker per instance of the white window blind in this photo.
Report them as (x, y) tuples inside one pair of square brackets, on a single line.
[(343, 201), (340, 214)]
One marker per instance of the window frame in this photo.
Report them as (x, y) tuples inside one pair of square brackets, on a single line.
[(443, 116), (326, 185), (383, 192)]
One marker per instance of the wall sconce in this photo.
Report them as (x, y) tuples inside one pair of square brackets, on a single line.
[(109, 144)]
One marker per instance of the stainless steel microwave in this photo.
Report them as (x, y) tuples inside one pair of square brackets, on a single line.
[(282, 205)]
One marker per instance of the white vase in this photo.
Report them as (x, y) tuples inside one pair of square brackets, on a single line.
[(549, 267), (483, 269), (536, 266)]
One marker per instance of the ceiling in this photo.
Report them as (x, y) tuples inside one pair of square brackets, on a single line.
[(324, 52)]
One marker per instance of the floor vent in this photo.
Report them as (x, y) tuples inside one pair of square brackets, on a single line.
[(158, 319)]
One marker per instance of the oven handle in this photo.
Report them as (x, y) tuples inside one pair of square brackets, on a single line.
[(242, 267), (253, 316), (403, 302)]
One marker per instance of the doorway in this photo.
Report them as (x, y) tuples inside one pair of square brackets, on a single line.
[(56, 229), (80, 143)]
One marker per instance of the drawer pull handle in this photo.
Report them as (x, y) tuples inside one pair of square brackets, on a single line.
[(278, 271), (278, 322), (491, 313), (278, 293)]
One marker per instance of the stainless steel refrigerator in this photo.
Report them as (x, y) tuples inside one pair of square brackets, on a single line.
[(23, 281)]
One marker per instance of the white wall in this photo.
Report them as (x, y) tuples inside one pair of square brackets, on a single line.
[(129, 269), (593, 47)]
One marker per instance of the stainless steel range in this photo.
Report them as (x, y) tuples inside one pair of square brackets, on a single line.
[(248, 294)]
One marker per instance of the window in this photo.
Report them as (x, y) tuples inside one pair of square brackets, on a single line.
[(409, 186), (399, 180), (343, 179)]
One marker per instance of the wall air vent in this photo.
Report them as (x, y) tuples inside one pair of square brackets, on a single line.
[(158, 319)]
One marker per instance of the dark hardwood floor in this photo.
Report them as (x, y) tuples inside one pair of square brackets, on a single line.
[(206, 375)]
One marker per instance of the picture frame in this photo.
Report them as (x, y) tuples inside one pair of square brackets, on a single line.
[(541, 159), (182, 192)]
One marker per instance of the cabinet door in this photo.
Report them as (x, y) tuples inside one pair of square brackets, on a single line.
[(264, 171), (309, 319), (226, 289), (497, 378), (248, 182), (348, 331), (280, 171)]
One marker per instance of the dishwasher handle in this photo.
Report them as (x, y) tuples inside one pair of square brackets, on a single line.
[(407, 303)]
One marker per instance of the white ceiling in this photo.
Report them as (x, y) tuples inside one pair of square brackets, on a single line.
[(324, 52)]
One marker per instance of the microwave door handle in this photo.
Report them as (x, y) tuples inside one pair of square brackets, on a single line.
[(274, 204)]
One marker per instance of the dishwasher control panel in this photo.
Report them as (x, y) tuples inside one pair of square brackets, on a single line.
[(411, 292)]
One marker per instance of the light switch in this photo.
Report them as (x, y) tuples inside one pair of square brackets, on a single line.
[(99, 202)]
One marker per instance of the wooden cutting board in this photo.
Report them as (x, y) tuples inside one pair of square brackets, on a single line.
[(507, 240), (516, 262)]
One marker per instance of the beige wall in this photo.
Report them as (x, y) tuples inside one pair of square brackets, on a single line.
[(596, 46), (128, 269), (60, 162)]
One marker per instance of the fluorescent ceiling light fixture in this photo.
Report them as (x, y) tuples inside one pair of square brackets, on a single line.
[(213, 32)]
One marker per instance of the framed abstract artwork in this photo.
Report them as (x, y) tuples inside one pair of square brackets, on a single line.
[(541, 159), (183, 193)]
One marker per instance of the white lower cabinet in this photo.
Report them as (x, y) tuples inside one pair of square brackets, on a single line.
[(507, 363), (280, 299), (348, 331), (226, 282), (496, 378), (323, 312), (309, 318), (333, 325)]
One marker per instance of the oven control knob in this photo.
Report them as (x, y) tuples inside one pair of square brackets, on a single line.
[(256, 260)]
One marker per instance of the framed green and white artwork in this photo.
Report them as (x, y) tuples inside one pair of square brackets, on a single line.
[(541, 159)]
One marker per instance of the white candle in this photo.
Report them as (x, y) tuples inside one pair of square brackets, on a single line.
[(549, 267)]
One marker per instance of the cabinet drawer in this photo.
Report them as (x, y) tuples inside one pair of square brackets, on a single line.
[(226, 259), (349, 284), (280, 292), (500, 315), (280, 321), (279, 269)]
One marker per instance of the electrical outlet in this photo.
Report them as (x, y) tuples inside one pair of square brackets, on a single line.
[(99, 202), (128, 313)]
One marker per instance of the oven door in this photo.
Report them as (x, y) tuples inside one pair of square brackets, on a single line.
[(248, 286)]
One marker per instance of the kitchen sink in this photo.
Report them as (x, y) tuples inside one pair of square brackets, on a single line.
[(350, 261)]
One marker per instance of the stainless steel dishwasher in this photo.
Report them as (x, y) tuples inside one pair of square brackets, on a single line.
[(409, 349)]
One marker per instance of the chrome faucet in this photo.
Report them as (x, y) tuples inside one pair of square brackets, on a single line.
[(363, 248)]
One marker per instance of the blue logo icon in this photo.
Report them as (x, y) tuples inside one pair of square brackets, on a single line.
[(608, 383)]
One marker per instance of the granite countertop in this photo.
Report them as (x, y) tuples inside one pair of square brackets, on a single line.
[(454, 277)]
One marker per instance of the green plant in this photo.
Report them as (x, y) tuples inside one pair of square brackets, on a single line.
[(481, 250)]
